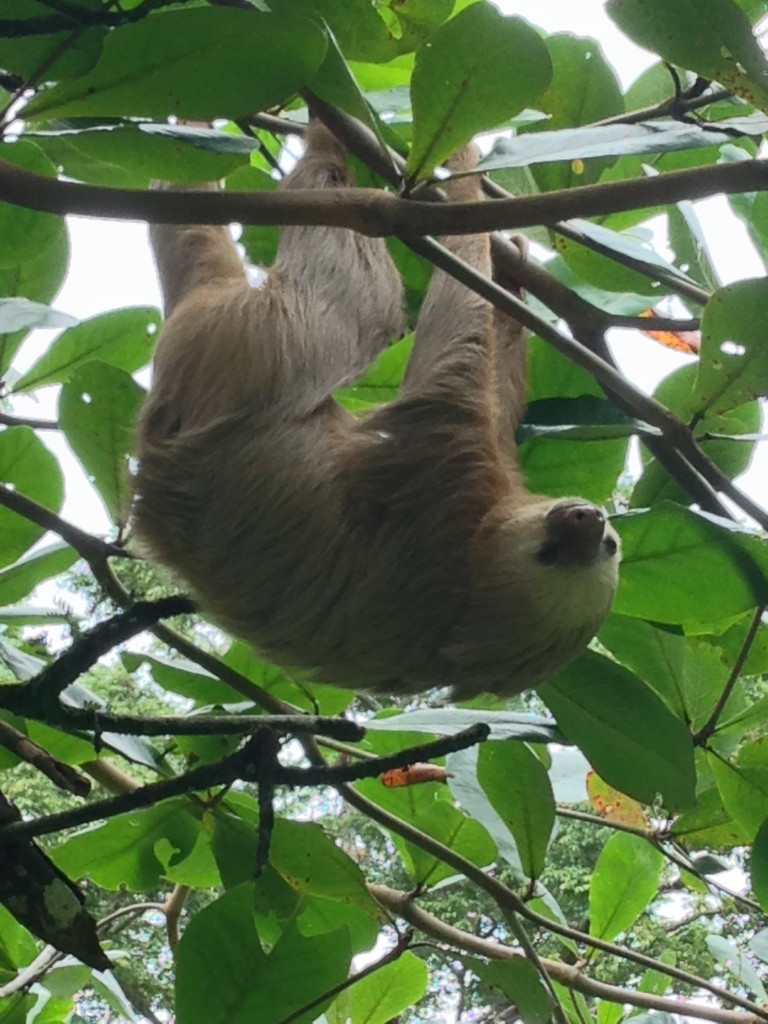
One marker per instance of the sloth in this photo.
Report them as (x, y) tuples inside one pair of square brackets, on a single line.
[(395, 552)]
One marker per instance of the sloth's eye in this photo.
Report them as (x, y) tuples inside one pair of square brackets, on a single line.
[(610, 545), (548, 554)]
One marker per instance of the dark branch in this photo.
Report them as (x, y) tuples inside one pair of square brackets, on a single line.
[(43, 690), (74, 17), (370, 211), (245, 764)]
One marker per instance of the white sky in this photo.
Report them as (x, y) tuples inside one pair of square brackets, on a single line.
[(111, 267)]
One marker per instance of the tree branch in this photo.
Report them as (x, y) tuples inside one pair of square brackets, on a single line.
[(244, 764), (371, 211), (508, 900), (403, 905), (87, 546)]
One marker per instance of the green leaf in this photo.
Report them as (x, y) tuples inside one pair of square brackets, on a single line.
[(687, 240), (221, 942), (711, 37), (21, 578), (252, 61), (123, 338), (743, 788), (178, 675), (590, 143), (709, 823), (25, 233), (334, 82), (624, 881), (584, 88), (37, 279), (677, 393), (427, 807), (128, 157), (504, 725), (587, 468), (357, 24), (28, 467), (98, 407), (381, 381), (383, 995), (759, 944), (122, 852), (629, 737), (64, 54), (309, 862), (733, 366), (518, 788), (476, 71), (656, 655), (518, 980), (682, 566), (469, 794)]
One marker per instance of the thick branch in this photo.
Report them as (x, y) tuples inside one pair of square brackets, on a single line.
[(371, 211)]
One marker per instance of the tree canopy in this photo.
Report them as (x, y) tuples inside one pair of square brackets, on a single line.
[(189, 833)]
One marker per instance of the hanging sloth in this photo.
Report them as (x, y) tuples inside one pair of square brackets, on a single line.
[(397, 552)]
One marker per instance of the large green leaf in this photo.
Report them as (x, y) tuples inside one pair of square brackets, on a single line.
[(309, 861), (383, 995), (153, 68), (677, 392), (178, 675), (129, 156), (25, 233), (21, 578), (122, 338), (518, 788), (628, 735), (221, 942), (428, 808), (739, 964), (63, 54), (623, 883), (123, 851), (584, 88), (98, 407), (476, 71), (519, 980), (682, 566), (743, 787), (37, 279), (469, 794), (593, 142), (27, 466), (733, 367), (712, 37)]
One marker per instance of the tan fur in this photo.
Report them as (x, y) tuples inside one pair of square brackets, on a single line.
[(397, 552)]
